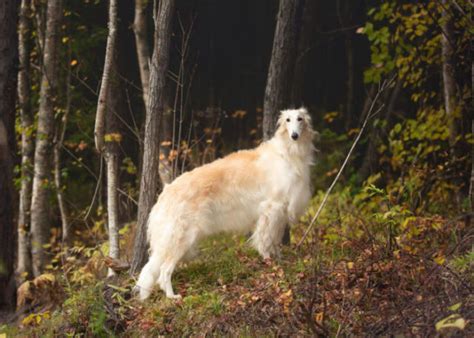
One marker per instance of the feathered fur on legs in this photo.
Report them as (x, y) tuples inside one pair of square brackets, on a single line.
[(270, 228)]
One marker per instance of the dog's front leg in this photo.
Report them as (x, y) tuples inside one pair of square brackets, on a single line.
[(270, 228)]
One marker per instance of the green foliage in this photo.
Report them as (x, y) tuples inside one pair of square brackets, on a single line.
[(464, 262), (404, 37), (424, 173)]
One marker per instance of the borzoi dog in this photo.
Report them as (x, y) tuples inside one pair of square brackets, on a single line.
[(259, 190)]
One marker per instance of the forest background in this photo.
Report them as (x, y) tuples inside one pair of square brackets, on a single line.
[(101, 99)]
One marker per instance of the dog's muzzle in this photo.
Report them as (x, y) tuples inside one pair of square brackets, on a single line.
[(294, 136)]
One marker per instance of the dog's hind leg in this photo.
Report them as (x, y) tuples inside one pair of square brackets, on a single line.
[(270, 228), (165, 279), (179, 244), (148, 276)]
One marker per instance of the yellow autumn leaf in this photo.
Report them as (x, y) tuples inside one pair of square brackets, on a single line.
[(73, 62), (318, 317), (454, 320)]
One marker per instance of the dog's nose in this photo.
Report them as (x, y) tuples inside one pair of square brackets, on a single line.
[(294, 136)]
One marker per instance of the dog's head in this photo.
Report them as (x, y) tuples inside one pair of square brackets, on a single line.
[(296, 123)]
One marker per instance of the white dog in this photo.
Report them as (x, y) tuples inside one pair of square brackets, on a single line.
[(259, 190)]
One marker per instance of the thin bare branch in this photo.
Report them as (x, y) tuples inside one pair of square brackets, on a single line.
[(382, 87)]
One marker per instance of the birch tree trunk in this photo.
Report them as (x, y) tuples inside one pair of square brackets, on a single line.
[(449, 80), (149, 181), (111, 160), (8, 78), (108, 143), (112, 155), (104, 87), (40, 220), (281, 66), (24, 267)]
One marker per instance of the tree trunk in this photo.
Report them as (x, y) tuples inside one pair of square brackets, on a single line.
[(449, 80), (149, 181), (141, 42), (370, 160), (471, 185), (8, 77), (281, 65), (143, 53), (58, 144), (105, 118), (112, 156), (104, 87), (24, 267), (40, 220), (39, 9), (304, 46), (350, 82), (111, 159)]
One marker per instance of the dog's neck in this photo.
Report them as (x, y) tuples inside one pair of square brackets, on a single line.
[(300, 152)]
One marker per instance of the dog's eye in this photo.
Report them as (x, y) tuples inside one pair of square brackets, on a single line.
[(300, 119), (287, 120)]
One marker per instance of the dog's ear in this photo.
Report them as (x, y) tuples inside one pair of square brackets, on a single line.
[(306, 116), (308, 121), (281, 119)]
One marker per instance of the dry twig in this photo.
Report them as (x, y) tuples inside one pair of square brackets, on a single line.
[(382, 87)]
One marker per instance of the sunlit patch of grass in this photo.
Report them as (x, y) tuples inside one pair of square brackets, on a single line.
[(218, 263)]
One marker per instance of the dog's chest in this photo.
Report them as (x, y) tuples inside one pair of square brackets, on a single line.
[(290, 176)]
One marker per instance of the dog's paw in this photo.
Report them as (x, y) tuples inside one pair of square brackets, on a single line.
[(177, 297), (268, 261), (140, 293)]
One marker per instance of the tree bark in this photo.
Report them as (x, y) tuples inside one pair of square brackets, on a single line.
[(303, 51), (281, 65), (370, 160), (350, 81), (104, 88), (471, 185), (141, 42), (449, 80), (149, 181), (39, 9), (143, 54), (112, 156), (111, 159), (105, 118), (40, 220), (24, 267), (58, 144), (8, 79)]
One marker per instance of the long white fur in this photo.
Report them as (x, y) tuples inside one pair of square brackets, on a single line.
[(259, 190)]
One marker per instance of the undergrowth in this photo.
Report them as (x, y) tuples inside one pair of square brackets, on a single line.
[(370, 267)]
